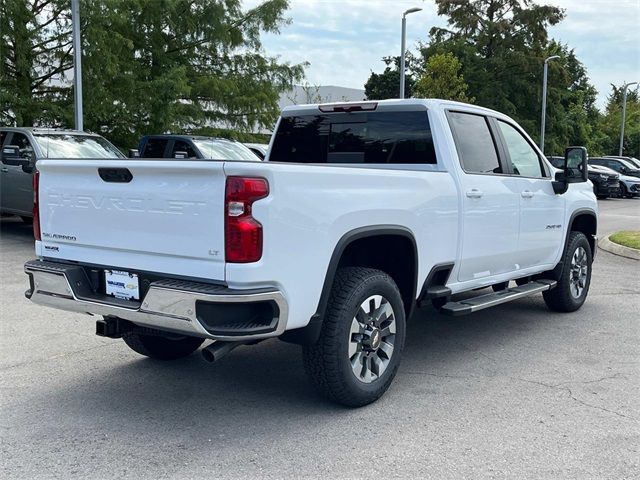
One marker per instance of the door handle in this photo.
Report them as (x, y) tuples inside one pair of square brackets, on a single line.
[(527, 194), (474, 193), (4, 170)]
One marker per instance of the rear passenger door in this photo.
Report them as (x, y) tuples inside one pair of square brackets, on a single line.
[(490, 207), (17, 186), (541, 223)]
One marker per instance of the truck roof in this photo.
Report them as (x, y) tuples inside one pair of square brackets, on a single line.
[(49, 131), (192, 137), (387, 105)]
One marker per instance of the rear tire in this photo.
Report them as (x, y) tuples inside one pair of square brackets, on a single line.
[(573, 286), (162, 348), (358, 353)]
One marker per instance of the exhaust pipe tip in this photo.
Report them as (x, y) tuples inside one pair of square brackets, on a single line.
[(218, 349), (208, 355)]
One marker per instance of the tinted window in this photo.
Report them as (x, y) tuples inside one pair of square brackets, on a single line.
[(524, 159), (182, 146), (154, 148), (474, 142), (3, 135), (371, 137), (76, 146)]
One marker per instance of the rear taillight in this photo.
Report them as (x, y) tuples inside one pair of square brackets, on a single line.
[(243, 233), (36, 202)]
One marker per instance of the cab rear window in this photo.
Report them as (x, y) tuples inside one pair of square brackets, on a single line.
[(354, 138)]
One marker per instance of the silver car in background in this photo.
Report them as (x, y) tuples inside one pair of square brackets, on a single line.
[(260, 149), (16, 184)]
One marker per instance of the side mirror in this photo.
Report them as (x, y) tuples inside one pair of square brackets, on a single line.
[(574, 170), (576, 167), (11, 156), (134, 153)]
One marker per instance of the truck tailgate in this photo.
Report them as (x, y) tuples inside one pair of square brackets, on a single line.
[(169, 218)]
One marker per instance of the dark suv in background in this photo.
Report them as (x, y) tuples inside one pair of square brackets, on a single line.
[(605, 184), (190, 146)]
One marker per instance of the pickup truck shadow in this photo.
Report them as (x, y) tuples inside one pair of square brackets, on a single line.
[(264, 387)]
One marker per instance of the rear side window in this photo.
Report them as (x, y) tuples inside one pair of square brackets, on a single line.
[(474, 142), (353, 138), (154, 148), (3, 135)]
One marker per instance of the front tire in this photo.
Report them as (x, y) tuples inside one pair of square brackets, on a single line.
[(358, 353), (161, 347), (624, 192), (573, 285)]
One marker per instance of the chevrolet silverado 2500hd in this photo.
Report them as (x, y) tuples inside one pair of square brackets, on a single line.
[(360, 212)]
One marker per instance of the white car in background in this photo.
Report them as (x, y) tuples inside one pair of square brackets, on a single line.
[(629, 186), (260, 149)]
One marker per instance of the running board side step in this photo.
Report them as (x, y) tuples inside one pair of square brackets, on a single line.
[(474, 304)]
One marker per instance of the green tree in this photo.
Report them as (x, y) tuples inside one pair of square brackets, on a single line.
[(441, 79), (609, 124), (178, 65), (572, 116), (149, 66), (380, 86), (501, 45), (35, 46)]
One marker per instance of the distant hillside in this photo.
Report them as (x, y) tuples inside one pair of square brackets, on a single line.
[(302, 94)]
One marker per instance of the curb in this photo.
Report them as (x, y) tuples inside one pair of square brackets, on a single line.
[(608, 246)]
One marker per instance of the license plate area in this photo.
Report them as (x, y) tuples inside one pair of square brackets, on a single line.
[(121, 284)]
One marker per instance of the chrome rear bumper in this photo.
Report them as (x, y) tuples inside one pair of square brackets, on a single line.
[(172, 305)]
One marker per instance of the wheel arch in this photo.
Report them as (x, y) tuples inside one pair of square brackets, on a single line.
[(364, 247), (584, 220)]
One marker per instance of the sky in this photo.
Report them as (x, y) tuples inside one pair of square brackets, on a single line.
[(344, 40)]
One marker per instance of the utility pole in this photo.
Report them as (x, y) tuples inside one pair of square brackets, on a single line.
[(624, 113), (403, 46), (77, 63), (544, 100)]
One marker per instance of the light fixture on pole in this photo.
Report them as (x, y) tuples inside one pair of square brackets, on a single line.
[(77, 63), (624, 113), (544, 99), (403, 46)]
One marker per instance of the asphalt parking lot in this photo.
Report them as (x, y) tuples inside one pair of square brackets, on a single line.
[(510, 392)]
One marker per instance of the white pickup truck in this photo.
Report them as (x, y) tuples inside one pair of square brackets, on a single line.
[(360, 212)]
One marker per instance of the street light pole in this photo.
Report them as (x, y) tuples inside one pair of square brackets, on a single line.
[(544, 100), (403, 46), (624, 113), (77, 63)]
